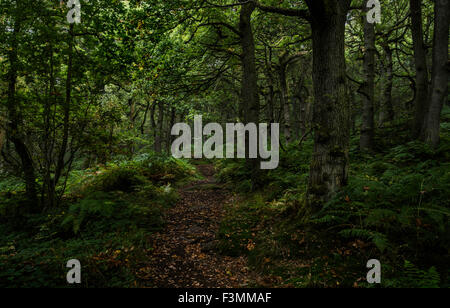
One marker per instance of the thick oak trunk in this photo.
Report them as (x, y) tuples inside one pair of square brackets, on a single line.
[(331, 119), (249, 87)]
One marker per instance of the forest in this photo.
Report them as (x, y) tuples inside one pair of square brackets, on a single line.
[(352, 96)]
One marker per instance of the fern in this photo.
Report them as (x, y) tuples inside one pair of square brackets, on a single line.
[(413, 277), (378, 239), (96, 204)]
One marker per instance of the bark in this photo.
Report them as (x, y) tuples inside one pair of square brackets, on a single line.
[(301, 106), (144, 121), (387, 108), (132, 118), (285, 103), (368, 88), (421, 100), (50, 183), (153, 123), (169, 136), (249, 87), (271, 94), (159, 129), (67, 103), (440, 73), (329, 166), (299, 112), (15, 118), (2, 132), (354, 109)]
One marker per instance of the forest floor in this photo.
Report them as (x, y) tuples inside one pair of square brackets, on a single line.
[(184, 251)]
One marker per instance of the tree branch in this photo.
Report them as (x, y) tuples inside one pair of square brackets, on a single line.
[(302, 13)]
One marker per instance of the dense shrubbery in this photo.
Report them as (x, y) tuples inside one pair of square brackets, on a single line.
[(100, 223)]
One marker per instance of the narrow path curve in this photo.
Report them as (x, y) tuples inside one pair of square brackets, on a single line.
[(183, 254)]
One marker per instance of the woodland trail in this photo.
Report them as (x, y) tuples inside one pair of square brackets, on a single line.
[(183, 254)]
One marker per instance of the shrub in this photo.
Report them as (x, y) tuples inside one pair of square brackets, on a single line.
[(118, 179)]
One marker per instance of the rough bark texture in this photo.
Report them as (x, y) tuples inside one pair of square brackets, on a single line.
[(250, 96), (329, 166), (368, 87), (440, 73), (421, 101), (387, 108), (285, 102), (249, 87)]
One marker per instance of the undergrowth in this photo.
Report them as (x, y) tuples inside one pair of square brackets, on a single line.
[(105, 221), (396, 209)]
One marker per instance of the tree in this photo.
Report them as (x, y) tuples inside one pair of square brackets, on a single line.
[(440, 73), (331, 120), (250, 94), (331, 115), (421, 100), (14, 132), (368, 87)]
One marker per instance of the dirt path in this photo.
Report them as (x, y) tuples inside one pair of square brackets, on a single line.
[(184, 255)]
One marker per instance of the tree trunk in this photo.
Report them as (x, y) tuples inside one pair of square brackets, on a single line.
[(299, 109), (15, 118), (368, 87), (329, 166), (440, 72), (61, 164), (153, 124), (132, 118), (249, 87), (421, 101), (144, 121), (354, 109), (159, 129), (387, 109), (2, 132), (285, 103), (271, 94), (169, 136)]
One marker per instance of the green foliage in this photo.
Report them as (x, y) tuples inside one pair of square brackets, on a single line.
[(413, 277), (118, 179), (129, 175), (100, 205), (11, 184), (92, 93), (165, 169), (399, 202), (396, 203), (291, 174), (105, 222)]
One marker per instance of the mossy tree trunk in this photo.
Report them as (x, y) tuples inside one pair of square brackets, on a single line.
[(331, 119)]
